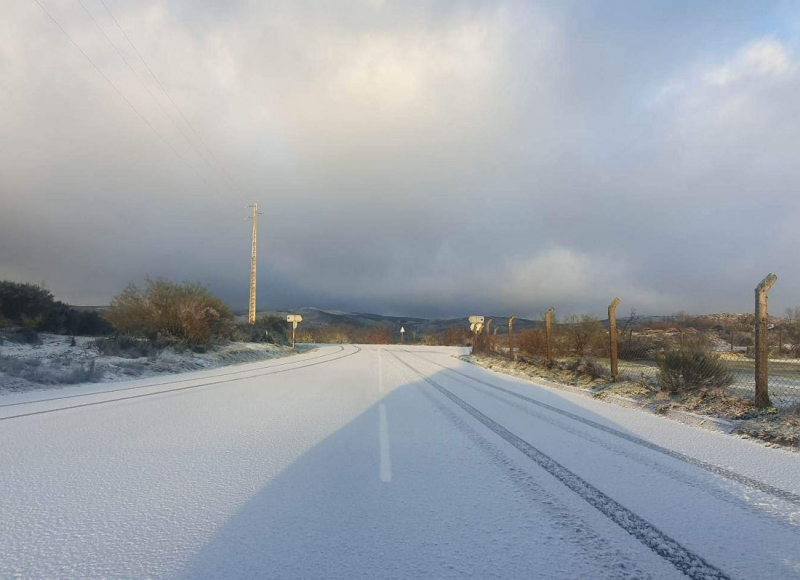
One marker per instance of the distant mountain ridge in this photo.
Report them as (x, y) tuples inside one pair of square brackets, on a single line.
[(318, 317)]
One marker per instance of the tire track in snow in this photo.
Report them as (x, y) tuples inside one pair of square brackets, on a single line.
[(179, 389), (594, 546), (715, 469), (689, 563), (641, 458)]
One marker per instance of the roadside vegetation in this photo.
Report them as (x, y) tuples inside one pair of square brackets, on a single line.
[(154, 328), (166, 312), (30, 308), (662, 368)]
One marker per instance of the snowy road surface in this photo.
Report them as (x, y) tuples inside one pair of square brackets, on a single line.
[(379, 462)]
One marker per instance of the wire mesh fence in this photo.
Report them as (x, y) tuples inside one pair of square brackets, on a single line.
[(677, 353)]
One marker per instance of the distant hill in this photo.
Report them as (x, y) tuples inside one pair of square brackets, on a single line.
[(316, 318)]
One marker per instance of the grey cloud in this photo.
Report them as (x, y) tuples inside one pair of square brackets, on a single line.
[(421, 159)]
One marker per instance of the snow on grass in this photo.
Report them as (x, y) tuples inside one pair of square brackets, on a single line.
[(55, 361)]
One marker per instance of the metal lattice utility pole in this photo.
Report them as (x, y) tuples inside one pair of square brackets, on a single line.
[(251, 314)]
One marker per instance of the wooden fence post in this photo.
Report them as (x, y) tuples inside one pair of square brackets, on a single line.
[(548, 336), (511, 336), (612, 337), (761, 347)]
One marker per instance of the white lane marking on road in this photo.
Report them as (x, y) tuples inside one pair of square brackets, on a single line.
[(383, 433), (380, 371)]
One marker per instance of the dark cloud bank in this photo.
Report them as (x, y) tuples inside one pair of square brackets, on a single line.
[(427, 158)]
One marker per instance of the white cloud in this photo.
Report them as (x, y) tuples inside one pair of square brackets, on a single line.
[(762, 58)]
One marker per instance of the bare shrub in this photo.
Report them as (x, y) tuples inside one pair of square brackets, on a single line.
[(582, 335), (589, 367), (125, 346), (185, 312), (686, 370), (593, 368), (88, 373), (533, 342), (33, 370), (17, 367), (378, 335)]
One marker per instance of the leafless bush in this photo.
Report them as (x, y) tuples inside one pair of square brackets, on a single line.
[(17, 367), (58, 373), (533, 342), (125, 346), (581, 336), (589, 367), (88, 373)]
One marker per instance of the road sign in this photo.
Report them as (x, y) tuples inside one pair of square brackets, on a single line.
[(402, 329), (294, 319), (476, 319)]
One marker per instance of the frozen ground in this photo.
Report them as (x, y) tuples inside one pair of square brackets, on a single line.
[(368, 462), (25, 367)]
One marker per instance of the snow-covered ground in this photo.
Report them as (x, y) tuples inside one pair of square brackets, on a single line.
[(55, 361), (379, 462)]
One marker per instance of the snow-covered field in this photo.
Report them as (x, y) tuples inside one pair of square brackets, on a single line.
[(379, 462), (55, 361)]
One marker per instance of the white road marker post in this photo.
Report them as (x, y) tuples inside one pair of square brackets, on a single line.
[(402, 334), (294, 319), (380, 370), (385, 469)]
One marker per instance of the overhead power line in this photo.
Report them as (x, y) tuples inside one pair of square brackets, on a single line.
[(147, 88), (171, 100), (118, 91)]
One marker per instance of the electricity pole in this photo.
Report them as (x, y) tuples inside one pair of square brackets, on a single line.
[(251, 315)]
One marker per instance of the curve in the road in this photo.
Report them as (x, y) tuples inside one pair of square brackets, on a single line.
[(179, 389), (691, 564), (715, 469)]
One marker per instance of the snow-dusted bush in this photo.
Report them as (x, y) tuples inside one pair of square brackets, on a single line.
[(186, 313), (125, 346), (685, 370)]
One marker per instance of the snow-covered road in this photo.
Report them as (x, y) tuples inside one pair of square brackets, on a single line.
[(379, 462)]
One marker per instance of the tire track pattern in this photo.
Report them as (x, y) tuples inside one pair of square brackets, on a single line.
[(689, 563), (715, 469)]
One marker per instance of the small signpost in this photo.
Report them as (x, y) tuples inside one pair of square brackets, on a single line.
[(402, 334), (294, 319)]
